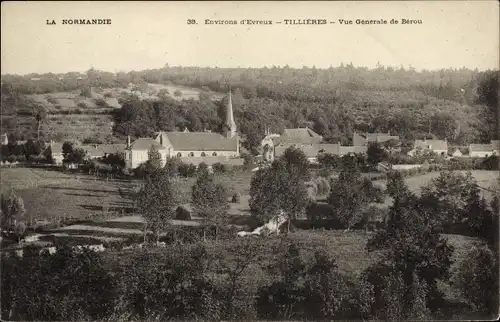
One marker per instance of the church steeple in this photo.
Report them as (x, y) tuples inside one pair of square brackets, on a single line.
[(231, 125)]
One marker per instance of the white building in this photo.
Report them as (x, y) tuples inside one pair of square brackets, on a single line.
[(439, 147), (480, 150), (189, 147)]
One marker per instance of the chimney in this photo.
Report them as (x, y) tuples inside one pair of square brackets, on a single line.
[(161, 138), (128, 141)]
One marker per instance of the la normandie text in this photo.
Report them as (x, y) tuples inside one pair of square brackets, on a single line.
[(80, 22)]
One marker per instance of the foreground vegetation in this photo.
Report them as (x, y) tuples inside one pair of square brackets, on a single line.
[(407, 270)]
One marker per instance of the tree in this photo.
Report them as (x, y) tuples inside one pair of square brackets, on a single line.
[(454, 191), (77, 156), (157, 202), (67, 150), (285, 297), (296, 163), (40, 115), (278, 189), (210, 202), (31, 149), (328, 160), (154, 157), (12, 214), (477, 280), (413, 246), (376, 153), (350, 196)]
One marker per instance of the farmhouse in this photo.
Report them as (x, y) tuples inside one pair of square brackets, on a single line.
[(190, 147), (138, 152), (55, 150), (4, 139), (102, 150), (439, 147), (480, 150), (364, 139)]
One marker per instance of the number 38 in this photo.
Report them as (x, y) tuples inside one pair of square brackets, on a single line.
[(191, 21)]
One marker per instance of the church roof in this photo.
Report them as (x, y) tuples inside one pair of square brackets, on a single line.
[(145, 144), (201, 141)]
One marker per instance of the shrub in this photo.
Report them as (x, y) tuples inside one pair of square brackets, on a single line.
[(82, 105), (186, 170), (236, 198), (219, 167), (181, 213), (202, 167)]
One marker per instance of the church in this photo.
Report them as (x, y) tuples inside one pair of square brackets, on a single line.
[(189, 147)]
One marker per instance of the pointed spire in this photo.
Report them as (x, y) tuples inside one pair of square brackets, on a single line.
[(229, 117)]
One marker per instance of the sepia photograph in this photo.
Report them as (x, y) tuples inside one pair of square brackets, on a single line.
[(249, 160)]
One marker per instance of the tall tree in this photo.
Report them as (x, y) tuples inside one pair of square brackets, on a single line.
[(40, 115), (412, 245), (281, 188), (12, 215), (210, 201), (350, 196), (376, 153), (157, 202)]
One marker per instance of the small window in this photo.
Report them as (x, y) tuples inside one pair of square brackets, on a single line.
[(179, 154), (203, 154), (214, 154), (191, 154)]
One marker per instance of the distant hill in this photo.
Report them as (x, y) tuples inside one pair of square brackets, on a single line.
[(71, 115)]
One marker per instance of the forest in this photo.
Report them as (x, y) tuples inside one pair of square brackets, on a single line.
[(457, 104)]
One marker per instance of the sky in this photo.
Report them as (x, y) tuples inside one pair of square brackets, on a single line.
[(146, 35)]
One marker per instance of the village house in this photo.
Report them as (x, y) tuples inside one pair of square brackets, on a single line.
[(56, 153), (97, 151), (138, 152), (480, 150), (190, 147), (362, 139), (4, 139), (305, 139), (439, 147)]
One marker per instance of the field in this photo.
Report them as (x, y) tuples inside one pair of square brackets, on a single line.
[(48, 193), (73, 116)]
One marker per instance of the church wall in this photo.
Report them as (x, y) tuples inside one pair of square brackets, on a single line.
[(208, 153)]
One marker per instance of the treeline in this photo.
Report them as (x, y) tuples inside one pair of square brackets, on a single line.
[(267, 81), (335, 102)]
